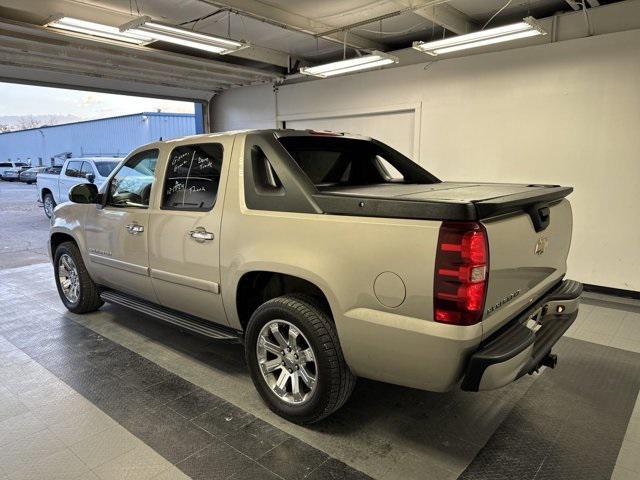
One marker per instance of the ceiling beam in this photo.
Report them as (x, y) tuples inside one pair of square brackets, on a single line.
[(292, 21), (444, 15), (39, 48), (111, 14)]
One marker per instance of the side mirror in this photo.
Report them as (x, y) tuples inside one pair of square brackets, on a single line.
[(84, 193), (91, 177)]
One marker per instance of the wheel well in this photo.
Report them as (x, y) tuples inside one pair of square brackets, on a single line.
[(57, 239), (44, 192), (255, 288)]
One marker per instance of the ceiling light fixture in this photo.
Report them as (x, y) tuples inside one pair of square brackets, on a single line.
[(376, 59), (529, 27), (148, 27), (96, 30)]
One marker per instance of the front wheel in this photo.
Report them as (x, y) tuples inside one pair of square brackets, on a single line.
[(49, 204), (75, 287), (295, 359)]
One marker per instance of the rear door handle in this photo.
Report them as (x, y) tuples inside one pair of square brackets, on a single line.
[(201, 235), (134, 228)]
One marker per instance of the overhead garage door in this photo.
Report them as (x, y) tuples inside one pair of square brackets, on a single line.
[(396, 128)]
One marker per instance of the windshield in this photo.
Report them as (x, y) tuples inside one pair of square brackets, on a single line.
[(105, 168), (333, 161)]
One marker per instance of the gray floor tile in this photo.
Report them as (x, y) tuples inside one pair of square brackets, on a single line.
[(256, 471), (195, 403), (19, 427), (171, 435), (218, 461), (141, 463), (293, 459), (58, 466), (105, 446), (334, 469), (256, 438), (11, 406), (75, 428), (173, 473), (223, 420), (171, 389), (22, 453)]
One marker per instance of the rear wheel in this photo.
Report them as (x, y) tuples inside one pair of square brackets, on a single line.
[(295, 359), (75, 287), (49, 204)]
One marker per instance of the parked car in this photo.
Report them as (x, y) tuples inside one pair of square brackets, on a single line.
[(29, 175), (329, 256), (10, 171), (53, 188)]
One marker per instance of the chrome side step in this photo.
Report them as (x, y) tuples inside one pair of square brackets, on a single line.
[(183, 321)]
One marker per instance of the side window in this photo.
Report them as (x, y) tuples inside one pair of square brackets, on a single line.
[(193, 177), (131, 186), (86, 169), (73, 169)]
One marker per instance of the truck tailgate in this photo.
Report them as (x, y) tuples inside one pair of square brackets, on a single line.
[(523, 263)]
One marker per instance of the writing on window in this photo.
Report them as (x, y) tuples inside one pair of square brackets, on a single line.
[(193, 177)]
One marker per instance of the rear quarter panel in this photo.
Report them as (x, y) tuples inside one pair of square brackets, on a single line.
[(343, 256)]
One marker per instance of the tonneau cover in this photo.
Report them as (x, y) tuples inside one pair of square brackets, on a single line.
[(437, 201)]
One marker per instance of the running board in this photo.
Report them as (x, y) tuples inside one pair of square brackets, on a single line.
[(180, 320)]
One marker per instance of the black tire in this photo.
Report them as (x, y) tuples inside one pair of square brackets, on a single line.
[(89, 298), (48, 197), (335, 381)]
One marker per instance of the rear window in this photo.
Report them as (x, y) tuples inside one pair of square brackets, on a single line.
[(331, 162), (105, 168)]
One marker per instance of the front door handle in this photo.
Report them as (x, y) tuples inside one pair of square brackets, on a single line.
[(201, 235), (134, 228)]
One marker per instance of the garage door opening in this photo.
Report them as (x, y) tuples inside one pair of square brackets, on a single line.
[(43, 126)]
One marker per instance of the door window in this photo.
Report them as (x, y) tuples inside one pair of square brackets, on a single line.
[(86, 169), (131, 186), (73, 169), (193, 177)]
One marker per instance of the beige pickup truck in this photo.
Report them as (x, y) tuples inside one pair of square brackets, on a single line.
[(328, 256)]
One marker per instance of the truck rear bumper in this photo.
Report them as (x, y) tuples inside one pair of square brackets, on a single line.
[(525, 344)]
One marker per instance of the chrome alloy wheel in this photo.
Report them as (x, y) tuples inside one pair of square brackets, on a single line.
[(48, 205), (287, 361), (68, 278)]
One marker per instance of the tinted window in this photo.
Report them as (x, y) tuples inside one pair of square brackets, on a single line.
[(86, 169), (339, 161), (5, 164), (22, 164), (105, 168), (192, 178), (131, 186), (73, 169)]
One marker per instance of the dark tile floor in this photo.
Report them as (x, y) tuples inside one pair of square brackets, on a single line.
[(116, 395)]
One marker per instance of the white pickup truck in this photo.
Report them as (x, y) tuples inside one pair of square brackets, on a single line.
[(54, 188)]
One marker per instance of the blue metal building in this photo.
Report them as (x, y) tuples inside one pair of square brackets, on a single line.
[(114, 136)]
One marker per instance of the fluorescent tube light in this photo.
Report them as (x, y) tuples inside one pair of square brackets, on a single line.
[(527, 28), (96, 29), (181, 36), (376, 59)]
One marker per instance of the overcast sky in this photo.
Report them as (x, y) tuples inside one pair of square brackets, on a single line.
[(29, 100)]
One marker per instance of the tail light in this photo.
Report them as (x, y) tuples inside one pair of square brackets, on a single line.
[(460, 279)]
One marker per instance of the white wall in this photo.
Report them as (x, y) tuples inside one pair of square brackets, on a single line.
[(566, 113)]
